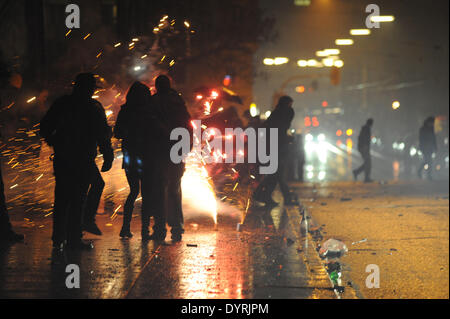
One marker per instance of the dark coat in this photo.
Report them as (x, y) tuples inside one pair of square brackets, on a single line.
[(427, 139), (75, 128), (171, 111), (281, 119), (364, 138)]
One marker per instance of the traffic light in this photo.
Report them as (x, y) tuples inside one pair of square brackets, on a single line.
[(335, 75), (300, 89), (315, 122), (307, 121)]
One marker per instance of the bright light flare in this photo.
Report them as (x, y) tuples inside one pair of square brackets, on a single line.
[(395, 105), (338, 63), (197, 189), (268, 61), (280, 60), (382, 18), (302, 63), (360, 31), (344, 41)]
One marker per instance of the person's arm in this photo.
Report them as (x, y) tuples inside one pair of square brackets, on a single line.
[(49, 122), (120, 127), (104, 138)]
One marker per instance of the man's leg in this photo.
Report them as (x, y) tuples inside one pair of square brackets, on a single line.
[(174, 203), (94, 195), (367, 166), (428, 164), (93, 200), (61, 204), (134, 181), (81, 179), (263, 192), (153, 203)]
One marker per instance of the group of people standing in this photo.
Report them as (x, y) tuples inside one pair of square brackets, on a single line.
[(76, 126)]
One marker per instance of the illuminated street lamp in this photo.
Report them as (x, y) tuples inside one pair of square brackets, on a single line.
[(344, 41), (280, 60), (312, 62), (268, 61), (359, 31), (338, 63), (332, 51), (302, 63), (327, 52), (395, 105), (328, 62), (382, 18)]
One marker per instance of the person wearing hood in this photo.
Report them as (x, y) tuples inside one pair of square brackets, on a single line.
[(281, 119), (129, 128), (76, 127), (172, 113)]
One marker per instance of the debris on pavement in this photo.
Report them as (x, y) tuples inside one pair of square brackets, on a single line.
[(345, 199), (332, 248), (360, 241), (191, 245)]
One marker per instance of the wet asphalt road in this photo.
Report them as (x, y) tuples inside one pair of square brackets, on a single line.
[(267, 259), (400, 226), (405, 223)]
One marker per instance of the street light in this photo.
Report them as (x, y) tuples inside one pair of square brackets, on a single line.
[(268, 61), (312, 62), (359, 31), (328, 62), (344, 41), (327, 52), (382, 18), (302, 63), (395, 105), (338, 63), (280, 60)]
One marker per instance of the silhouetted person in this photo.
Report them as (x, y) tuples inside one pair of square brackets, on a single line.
[(364, 149), (252, 121), (297, 160), (75, 126), (172, 112), (129, 130), (427, 145), (280, 119), (6, 232)]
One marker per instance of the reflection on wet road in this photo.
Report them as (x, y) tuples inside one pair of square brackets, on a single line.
[(264, 260)]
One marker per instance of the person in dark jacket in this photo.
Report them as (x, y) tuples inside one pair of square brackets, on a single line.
[(364, 140), (280, 119), (172, 113), (75, 126), (129, 131), (427, 145)]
